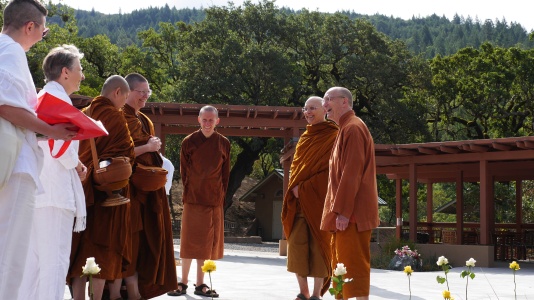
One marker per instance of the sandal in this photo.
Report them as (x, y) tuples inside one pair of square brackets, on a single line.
[(302, 297), (199, 290), (179, 292), (314, 298)]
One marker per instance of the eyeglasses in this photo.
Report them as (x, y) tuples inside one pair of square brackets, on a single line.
[(148, 93), (330, 98), (310, 108), (45, 31)]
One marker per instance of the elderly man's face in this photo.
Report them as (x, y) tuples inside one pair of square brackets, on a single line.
[(314, 112), (333, 103)]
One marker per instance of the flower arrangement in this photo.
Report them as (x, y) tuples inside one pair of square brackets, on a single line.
[(209, 266), (91, 268), (470, 264), (338, 281), (408, 270), (514, 266), (405, 257)]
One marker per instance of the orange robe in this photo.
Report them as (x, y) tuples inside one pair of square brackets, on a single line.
[(151, 220), (309, 170), (107, 236), (205, 171), (352, 193)]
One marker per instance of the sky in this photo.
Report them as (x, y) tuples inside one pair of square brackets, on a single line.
[(511, 10)]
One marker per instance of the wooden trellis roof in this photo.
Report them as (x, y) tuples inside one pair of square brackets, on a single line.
[(236, 120), (509, 159)]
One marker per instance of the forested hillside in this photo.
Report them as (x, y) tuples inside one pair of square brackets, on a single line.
[(429, 35)]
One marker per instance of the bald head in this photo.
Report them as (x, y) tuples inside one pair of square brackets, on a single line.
[(116, 89), (208, 108), (314, 112)]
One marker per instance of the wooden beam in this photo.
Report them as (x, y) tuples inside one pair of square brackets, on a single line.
[(448, 149), (459, 208), (502, 147), (413, 202), (182, 130), (427, 150)]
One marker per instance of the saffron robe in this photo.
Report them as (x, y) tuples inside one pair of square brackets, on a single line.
[(107, 236), (154, 261), (352, 193), (309, 170), (205, 171)]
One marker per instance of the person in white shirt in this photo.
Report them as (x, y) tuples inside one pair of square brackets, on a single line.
[(24, 25), (63, 200)]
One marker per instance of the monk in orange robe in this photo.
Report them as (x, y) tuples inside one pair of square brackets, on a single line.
[(351, 205), (205, 170), (309, 247), (107, 236), (152, 271)]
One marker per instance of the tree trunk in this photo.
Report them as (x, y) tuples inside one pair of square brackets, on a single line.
[(243, 166)]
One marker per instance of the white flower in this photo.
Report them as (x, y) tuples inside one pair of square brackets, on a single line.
[(90, 268), (340, 270), (442, 260), (470, 263)]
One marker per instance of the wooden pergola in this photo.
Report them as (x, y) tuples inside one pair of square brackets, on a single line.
[(484, 161)]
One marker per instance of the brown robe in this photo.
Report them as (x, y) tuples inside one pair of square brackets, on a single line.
[(107, 236), (352, 192), (151, 220), (205, 171), (309, 170)]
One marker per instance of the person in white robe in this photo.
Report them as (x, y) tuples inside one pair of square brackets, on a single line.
[(24, 25), (62, 206)]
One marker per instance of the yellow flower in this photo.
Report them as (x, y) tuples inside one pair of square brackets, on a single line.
[(446, 295), (514, 266), (408, 270), (209, 266)]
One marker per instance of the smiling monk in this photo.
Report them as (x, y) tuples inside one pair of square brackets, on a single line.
[(308, 246), (205, 170)]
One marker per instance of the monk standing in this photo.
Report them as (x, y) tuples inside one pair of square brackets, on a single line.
[(205, 170), (351, 205), (152, 271), (107, 236), (308, 247)]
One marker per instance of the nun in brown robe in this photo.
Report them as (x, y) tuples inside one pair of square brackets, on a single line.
[(107, 236), (205, 171), (151, 222), (309, 252)]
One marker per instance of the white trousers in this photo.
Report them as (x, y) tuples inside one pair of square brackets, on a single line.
[(17, 205), (48, 256)]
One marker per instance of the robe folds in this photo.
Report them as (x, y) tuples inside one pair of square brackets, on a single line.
[(107, 236), (151, 220), (352, 192), (205, 171), (309, 170)]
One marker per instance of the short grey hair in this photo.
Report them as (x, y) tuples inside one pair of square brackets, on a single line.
[(59, 58)]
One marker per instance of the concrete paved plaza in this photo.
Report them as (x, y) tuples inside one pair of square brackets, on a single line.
[(247, 275)]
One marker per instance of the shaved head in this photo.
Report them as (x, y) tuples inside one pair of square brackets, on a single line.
[(112, 83), (314, 112), (208, 108)]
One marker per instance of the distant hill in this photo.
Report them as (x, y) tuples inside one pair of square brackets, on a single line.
[(428, 36)]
